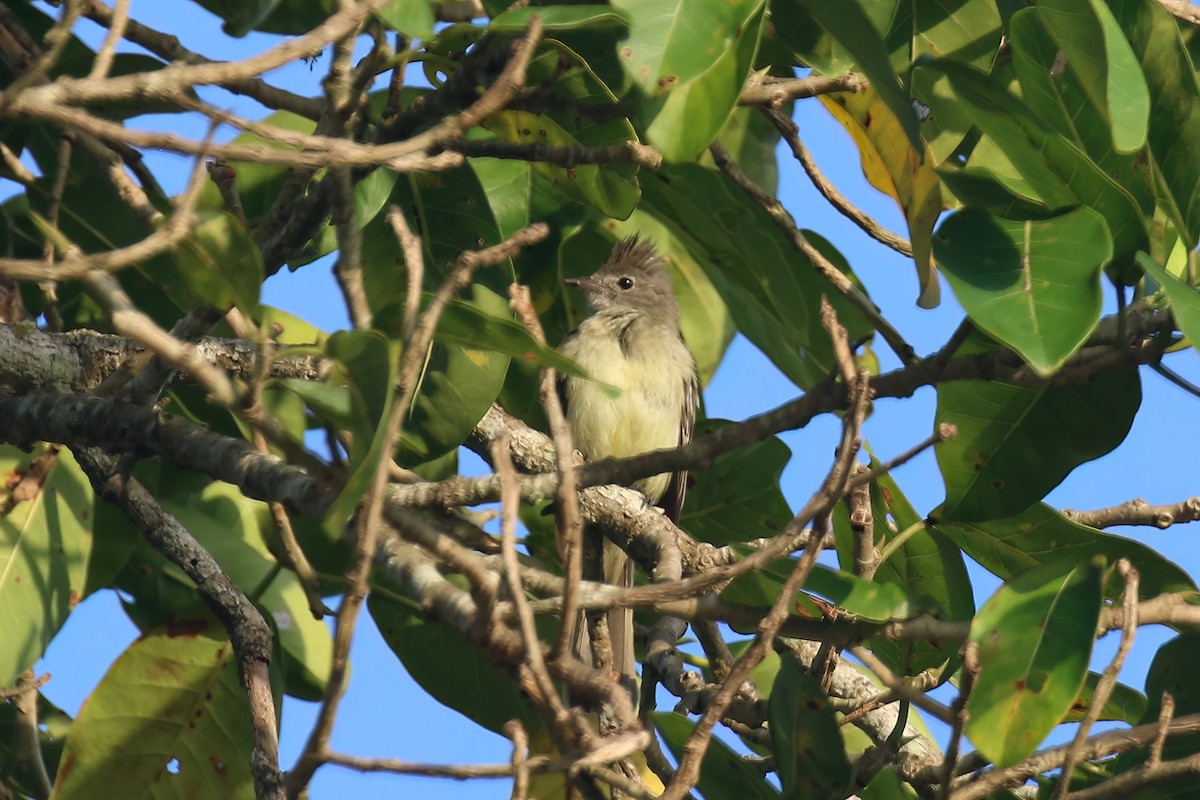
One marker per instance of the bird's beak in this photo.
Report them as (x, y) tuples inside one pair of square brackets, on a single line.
[(586, 284)]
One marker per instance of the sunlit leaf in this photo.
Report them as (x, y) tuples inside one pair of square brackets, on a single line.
[(45, 542), (221, 262), (1033, 285), (176, 693), (684, 121), (1034, 637), (1185, 299), (561, 18), (672, 42)]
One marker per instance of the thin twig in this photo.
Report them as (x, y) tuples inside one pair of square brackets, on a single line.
[(1166, 711), (970, 671), (116, 29), (791, 134), (520, 759), (348, 268), (248, 631), (27, 741), (570, 523), (835, 276), (902, 686), (1108, 680), (455, 771), (944, 431), (414, 267), (817, 508), (510, 501)]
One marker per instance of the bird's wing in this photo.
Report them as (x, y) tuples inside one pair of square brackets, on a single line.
[(672, 500)]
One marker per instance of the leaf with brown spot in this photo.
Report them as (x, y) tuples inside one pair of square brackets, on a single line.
[(177, 697)]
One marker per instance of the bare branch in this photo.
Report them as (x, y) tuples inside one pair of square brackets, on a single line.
[(772, 92), (248, 631), (1138, 512)]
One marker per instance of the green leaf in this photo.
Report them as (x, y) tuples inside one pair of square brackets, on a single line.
[(1016, 443), (745, 255), (469, 325), (1175, 100), (887, 785), (1053, 87), (287, 17), (221, 262), (683, 122), (722, 772), (1091, 39), (368, 361), (1053, 171), (176, 693), (371, 193), (849, 25), (738, 498), (810, 757), (451, 214), (611, 190), (413, 18), (672, 42), (573, 89), (459, 386), (968, 29), (507, 184), (868, 600), (453, 670), (928, 565), (561, 18), (1185, 300), (1034, 638), (1032, 285), (1041, 535), (751, 139), (45, 542)]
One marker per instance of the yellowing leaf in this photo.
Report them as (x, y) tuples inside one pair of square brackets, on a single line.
[(892, 166)]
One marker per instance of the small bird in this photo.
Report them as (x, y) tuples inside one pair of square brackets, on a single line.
[(631, 340)]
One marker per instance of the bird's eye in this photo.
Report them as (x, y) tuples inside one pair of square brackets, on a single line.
[(625, 283)]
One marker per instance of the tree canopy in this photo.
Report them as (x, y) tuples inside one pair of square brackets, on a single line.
[(256, 488)]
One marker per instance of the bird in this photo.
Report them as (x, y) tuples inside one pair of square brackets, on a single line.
[(630, 340)]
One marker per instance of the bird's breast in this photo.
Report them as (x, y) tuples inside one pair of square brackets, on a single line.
[(645, 414)]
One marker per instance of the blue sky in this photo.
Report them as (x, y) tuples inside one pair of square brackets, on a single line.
[(384, 714)]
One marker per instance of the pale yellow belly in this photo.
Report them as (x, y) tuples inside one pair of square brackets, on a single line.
[(645, 415)]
